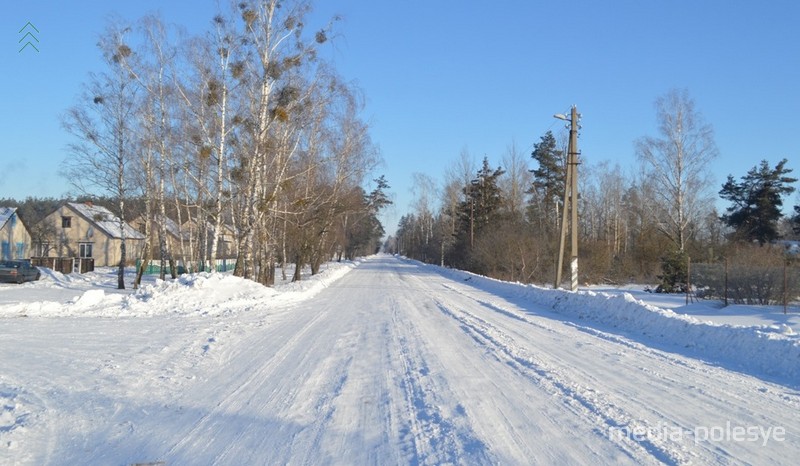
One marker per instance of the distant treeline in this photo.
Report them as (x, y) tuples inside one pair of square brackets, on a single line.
[(638, 223)]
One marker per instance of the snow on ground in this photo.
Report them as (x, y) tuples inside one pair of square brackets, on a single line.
[(765, 348), (95, 294), (714, 310), (388, 361)]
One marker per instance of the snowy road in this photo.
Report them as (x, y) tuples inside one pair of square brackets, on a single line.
[(394, 363)]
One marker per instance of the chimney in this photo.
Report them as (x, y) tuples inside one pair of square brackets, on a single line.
[(89, 204)]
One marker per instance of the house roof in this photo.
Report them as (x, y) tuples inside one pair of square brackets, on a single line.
[(193, 225), (104, 220), (172, 227), (5, 214)]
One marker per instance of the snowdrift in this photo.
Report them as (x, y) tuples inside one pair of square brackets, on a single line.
[(207, 294)]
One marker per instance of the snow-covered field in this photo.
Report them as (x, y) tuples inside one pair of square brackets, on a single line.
[(388, 361)]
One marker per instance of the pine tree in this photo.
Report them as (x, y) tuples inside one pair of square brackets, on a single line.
[(378, 198), (757, 201), (548, 183), (481, 207), (796, 220), (485, 194)]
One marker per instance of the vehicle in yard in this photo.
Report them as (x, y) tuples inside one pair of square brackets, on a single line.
[(18, 271)]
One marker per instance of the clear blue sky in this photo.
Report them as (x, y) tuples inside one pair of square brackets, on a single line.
[(443, 75)]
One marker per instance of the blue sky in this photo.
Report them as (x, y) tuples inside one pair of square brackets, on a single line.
[(440, 76)]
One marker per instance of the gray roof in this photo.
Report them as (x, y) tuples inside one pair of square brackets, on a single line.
[(172, 227)]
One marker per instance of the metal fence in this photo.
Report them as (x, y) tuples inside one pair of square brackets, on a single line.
[(741, 282), (221, 265)]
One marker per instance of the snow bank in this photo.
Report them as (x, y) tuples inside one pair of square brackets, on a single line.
[(765, 350), (770, 350), (209, 294)]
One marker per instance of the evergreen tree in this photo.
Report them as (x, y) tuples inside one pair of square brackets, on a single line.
[(364, 234), (485, 194), (379, 198), (548, 183), (757, 201), (796, 220), (480, 208), (675, 273)]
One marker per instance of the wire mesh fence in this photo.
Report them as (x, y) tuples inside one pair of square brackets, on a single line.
[(764, 280)]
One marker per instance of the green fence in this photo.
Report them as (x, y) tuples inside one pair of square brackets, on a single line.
[(221, 265)]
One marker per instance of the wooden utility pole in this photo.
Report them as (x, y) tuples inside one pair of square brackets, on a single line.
[(570, 203)]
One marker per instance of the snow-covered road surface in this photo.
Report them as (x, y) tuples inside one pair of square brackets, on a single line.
[(393, 363)]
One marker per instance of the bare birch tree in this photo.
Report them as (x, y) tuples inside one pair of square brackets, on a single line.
[(424, 191), (103, 122), (276, 49), (677, 162), (515, 181), (152, 72), (245, 123), (208, 97)]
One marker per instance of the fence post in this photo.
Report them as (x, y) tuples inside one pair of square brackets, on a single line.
[(726, 282), (688, 278), (785, 285)]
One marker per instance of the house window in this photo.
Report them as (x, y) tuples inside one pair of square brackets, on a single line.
[(20, 250), (66, 222), (85, 250)]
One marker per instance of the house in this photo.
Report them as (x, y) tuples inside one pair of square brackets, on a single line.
[(184, 242), (88, 231), (14, 236), (177, 240), (226, 244)]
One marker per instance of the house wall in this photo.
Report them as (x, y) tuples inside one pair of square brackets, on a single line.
[(15, 241), (173, 242), (226, 246), (105, 250), (133, 251)]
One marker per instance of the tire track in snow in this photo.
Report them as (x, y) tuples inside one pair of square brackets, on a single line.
[(587, 403), (325, 408), (256, 377), (716, 389), (429, 435)]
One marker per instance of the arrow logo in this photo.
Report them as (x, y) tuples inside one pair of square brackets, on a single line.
[(30, 37)]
